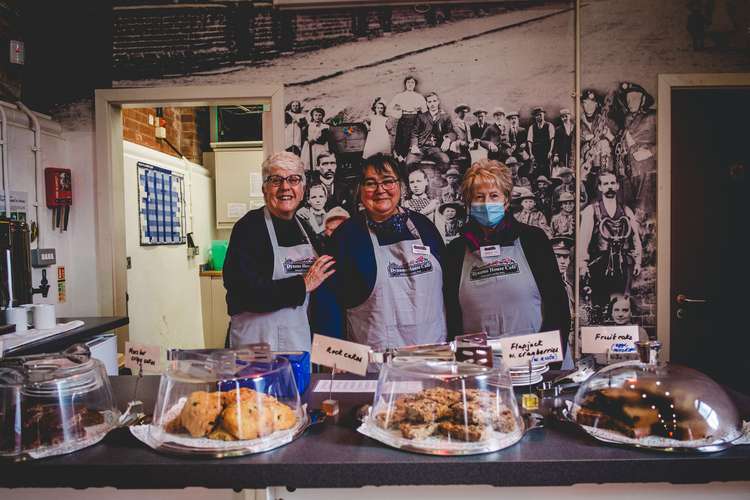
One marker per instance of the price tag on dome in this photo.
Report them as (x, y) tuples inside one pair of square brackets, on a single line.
[(142, 355), (340, 354), (544, 347), (613, 339)]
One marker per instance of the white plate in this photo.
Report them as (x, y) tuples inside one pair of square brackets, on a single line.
[(522, 381)]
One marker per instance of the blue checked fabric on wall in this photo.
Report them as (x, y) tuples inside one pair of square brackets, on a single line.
[(161, 206)]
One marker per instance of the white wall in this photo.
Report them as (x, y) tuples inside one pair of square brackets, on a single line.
[(75, 248), (164, 303)]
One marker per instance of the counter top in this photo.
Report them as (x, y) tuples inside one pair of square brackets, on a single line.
[(92, 326), (335, 455)]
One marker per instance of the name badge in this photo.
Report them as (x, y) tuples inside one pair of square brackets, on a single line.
[(420, 249), (489, 251)]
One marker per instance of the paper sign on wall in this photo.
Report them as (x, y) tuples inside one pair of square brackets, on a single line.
[(236, 210), (602, 339), (342, 355), (256, 185), (541, 347), (142, 355)]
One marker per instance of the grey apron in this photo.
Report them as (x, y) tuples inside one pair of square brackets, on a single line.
[(287, 329), (406, 304), (498, 294)]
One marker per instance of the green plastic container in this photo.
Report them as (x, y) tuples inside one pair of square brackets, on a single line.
[(218, 253)]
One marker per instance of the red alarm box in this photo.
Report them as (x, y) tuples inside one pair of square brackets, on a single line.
[(59, 186), (58, 182)]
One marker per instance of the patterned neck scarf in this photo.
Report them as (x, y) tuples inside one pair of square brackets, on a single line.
[(392, 226)]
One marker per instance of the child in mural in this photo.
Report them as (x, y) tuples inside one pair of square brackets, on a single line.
[(295, 127), (419, 199), (529, 214), (317, 138), (563, 222), (378, 138), (544, 196), (405, 106), (452, 190), (316, 201), (453, 216)]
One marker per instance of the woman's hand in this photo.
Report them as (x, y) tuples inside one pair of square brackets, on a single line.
[(319, 272)]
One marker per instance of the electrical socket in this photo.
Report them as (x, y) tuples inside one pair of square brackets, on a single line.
[(151, 120), (161, 133)]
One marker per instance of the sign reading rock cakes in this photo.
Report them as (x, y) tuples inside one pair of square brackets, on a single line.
[(613, 339), (544, 347), (340, 354)]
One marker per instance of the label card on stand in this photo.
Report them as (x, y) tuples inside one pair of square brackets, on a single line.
[(340, 354), (142, 355), (544, 347), (613, 339)]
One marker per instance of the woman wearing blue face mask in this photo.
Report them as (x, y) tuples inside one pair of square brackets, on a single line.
[(501, 275)]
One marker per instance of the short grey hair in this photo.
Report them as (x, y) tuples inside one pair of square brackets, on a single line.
[(285, 160)]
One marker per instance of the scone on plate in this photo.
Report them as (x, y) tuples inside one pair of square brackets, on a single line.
[(246, 420), (200, 414)]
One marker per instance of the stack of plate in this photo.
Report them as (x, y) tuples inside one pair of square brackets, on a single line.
[(520, 375)]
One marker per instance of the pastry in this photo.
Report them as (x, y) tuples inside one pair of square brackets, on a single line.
[(417, 431), (503, 419), (391, 420), (200, 413), (247, 421), (222, 435), (462, 432), (442, 396), (427, 411), (472, 413), (44, 425), (283, 416)]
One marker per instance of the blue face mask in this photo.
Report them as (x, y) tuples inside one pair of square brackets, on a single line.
[(488, 214)]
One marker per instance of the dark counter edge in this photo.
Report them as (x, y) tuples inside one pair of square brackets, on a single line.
[(226, 475), (92, 326)]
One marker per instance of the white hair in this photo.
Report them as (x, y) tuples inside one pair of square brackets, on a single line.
[(285, 160)]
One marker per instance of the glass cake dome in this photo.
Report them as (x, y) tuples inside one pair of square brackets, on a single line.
[(444, 408), (53, 404), (656, 405), (224, 403)]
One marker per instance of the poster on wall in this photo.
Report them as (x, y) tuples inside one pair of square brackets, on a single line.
[(161, 206)]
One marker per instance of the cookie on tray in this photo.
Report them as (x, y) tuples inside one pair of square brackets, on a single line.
[(392, 419), (200, 414), (417, 431), (246, 420), (503, 419), (426, 411), (462, 432), (442, 395), (472, 413)]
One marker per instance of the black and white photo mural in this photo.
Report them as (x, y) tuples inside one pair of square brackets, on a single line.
[(440, 85)]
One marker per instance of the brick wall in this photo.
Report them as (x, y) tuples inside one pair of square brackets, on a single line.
[(181, 125), (171, 40)]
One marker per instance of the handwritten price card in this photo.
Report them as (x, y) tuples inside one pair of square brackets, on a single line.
[(142, 355), (614, 339), (544, 347), (342, 355)]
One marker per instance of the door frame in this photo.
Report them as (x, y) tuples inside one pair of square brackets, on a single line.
[(111, 265), (667, 83)]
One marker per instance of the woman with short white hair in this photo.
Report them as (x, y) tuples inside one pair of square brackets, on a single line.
[(271, 266)]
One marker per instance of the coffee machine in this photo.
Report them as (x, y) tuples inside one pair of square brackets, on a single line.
[(16, 287)]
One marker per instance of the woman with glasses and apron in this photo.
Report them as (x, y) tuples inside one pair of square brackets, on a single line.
[(271, 266), (389, 271)]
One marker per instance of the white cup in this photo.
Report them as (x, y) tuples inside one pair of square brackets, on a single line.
[(17, 316), (44, 316), (29, 312)]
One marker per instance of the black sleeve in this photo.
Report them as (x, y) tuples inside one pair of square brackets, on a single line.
[(356, 270), (248, 271), (454, 259), (555, 312)]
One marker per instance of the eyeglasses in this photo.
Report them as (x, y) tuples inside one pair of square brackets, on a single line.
[(389, 183), (277, 180)]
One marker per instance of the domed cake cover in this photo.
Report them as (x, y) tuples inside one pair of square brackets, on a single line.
[(656, 405), (444, 408), (53, 404), (226, 402)]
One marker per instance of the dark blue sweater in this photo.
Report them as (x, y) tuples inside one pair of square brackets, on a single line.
[(356, 270)]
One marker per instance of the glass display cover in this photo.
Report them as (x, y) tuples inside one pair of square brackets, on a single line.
[(444, 408), (54, 404), (656, 405), (225, 403)]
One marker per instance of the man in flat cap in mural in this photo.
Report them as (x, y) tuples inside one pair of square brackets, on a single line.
[(565, 138), (477, 128), (459, 149), (610, 243), (541, 137), (495, 137)]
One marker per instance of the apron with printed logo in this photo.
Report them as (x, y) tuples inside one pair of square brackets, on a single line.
[(406, 304), (497, 293), (287, 329)]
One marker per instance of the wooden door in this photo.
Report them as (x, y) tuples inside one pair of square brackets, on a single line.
[(710, 205)]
